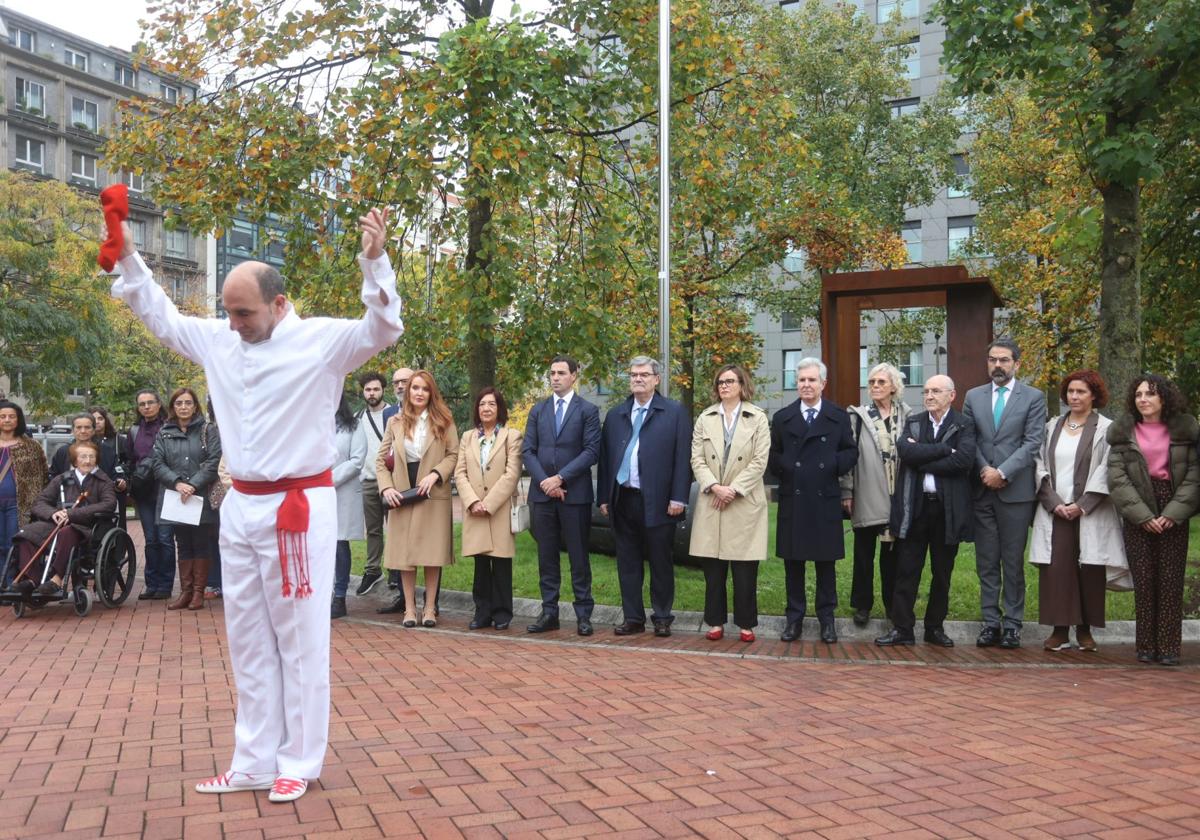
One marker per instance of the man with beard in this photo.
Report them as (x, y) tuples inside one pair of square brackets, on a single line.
[(371, 421)]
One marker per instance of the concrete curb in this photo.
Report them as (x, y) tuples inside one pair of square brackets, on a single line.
[(962, 632)]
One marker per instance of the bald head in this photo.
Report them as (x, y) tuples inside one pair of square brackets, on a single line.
[(938, 394), (400, 382), (253, 296)]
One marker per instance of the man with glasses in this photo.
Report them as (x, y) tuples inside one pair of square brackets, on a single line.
[(931, 510), (275, 380), (562, 441), (1010, 423), (159, 553), (643, 483)]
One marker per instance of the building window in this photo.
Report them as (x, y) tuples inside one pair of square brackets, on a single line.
[(133, 181), (962, 171), (887, 8), (791, 322), (790, 357), (911, 364), (23, 39), (31, 152), (794, 261), (170, 93), (85, 114), (125, 76), (274, 254), (177, 244), (76, 58), (139, 233), (904, 107), (909, 55), (31, 96), (910, 232), (83, 166), (959, 229), (241, 238)]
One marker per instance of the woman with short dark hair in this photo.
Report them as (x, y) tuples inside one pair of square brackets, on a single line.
[(1154, 481), (486, 475), (186, 454), (159, 552), (22, 473)]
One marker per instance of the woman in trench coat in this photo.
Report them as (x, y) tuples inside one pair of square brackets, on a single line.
[(730, 445), (489, 467), (422, 443)]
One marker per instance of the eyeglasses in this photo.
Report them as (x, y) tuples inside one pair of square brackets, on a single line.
[(399, 381), (147, 403), (729, 382), (642, 375), (933, 391), (878, 382), (178, 403)]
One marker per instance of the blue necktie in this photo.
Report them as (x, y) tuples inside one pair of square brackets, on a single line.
[(558, 415), (627, 458), (999, 409), (809, 415)]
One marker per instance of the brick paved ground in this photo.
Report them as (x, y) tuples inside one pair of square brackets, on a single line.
[(107, 721)]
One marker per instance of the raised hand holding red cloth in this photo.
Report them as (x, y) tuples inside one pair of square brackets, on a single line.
[(115, 201)]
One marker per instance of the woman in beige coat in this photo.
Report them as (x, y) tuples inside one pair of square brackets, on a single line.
[(489, 467), (730, 445), (423, 443)]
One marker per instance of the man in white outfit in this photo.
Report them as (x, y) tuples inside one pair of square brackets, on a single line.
[(271, 375)]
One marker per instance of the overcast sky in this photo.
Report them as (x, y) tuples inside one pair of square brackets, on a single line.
[(114, 23)]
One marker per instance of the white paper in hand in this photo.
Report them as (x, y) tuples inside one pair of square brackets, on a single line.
[(175, 509)]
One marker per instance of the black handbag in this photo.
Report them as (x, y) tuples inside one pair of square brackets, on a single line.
[(409, 497)]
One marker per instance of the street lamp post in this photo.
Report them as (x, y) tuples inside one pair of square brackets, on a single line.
[(664, 192)]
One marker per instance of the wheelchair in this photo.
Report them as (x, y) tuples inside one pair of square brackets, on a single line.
[(106, 560)]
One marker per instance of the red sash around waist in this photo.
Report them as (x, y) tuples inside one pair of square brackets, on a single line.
[(291, 523)]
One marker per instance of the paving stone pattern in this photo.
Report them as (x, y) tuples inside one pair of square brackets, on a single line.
[(109, 720)]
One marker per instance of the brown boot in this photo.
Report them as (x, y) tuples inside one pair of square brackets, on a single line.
[(199, 579), (185, 585)]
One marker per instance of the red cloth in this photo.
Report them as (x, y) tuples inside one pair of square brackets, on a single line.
[(115, 201), (291, 523)]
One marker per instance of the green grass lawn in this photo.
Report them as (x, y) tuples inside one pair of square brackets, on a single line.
[(689, 582)]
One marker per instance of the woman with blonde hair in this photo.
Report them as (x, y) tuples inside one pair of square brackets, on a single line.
[(418, 454)]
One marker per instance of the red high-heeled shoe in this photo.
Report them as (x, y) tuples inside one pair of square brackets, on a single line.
[(715, 634), (746, 636)]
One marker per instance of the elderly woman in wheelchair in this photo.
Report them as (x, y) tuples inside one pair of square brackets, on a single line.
[(62, 521)]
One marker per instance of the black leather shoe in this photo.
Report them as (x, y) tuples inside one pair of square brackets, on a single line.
[(861, 617), (1010, 640), (988, 637), (503, 625), (337, 609), (938, 637), (895, 637), (160, 596), (145, 595), (584, 627), (1168, 660), (479, 623), (369, 579), (662, 629), (628, 628), (545, 622), (828, 633), (792, 632), (397, 606)]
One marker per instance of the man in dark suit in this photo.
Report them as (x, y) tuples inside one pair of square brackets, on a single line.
[(811, 447), (562, 441), (931, 510), (1010, 423), (643, 482)]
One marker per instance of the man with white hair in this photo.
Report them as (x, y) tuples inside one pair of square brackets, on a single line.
[(931, 510), (275, 380), (812, 447)]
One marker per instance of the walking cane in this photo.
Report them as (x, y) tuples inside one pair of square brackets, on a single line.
[(53, 537)]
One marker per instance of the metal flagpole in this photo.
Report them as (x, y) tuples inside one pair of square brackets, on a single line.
[(664, 192)]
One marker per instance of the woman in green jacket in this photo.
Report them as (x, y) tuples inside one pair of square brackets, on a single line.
[(1154, 482)]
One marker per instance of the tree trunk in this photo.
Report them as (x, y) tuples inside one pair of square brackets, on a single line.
[(1120, 293), (481, 344)]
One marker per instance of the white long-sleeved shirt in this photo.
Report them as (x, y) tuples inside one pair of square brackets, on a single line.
[(275, 400)]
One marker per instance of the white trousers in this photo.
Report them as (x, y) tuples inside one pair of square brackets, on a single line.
[(279, 646)]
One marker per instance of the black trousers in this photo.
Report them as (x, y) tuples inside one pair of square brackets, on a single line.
[(927, 533), (797, 599), (862, 584), (492, 588), (556, 526), (745, 592), (637, 546)]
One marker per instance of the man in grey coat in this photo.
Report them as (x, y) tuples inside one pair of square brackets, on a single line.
[(1010, 422)]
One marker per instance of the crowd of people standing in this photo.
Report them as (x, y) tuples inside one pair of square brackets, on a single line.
[(1099, 504)]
